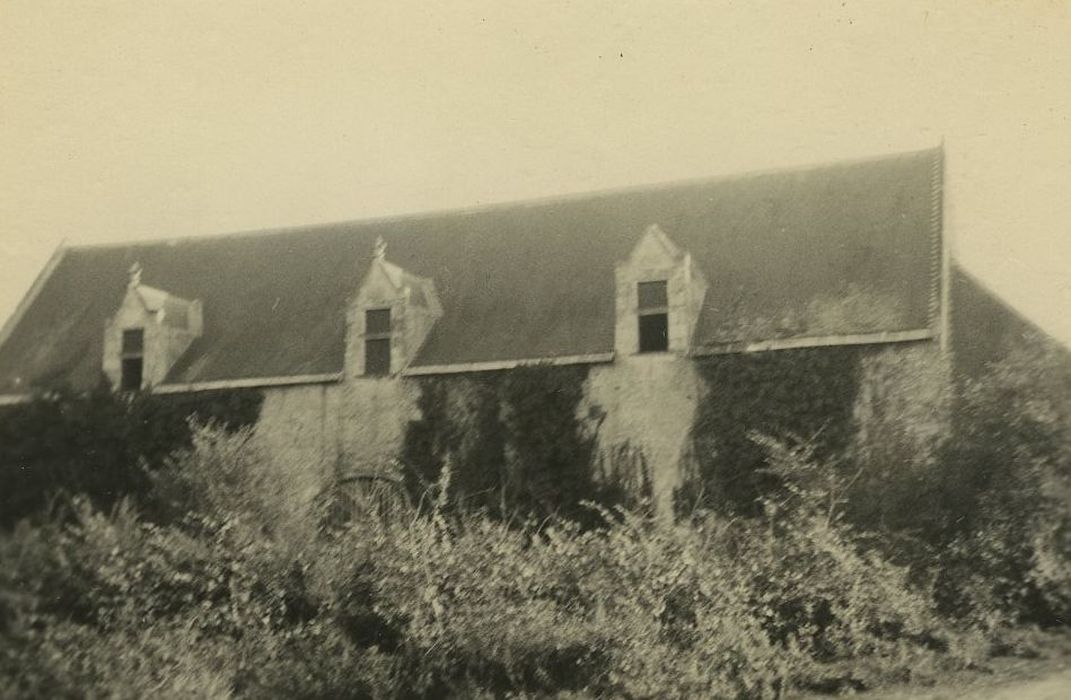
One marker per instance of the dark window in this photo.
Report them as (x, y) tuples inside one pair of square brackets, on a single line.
[(133, 341), (133, 363), (132, 367), (653, 295), (377, 356), (377, 321), (653, 310), (654, 332), (377, 342)]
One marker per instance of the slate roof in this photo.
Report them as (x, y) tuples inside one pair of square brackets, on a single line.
[(837, 249)]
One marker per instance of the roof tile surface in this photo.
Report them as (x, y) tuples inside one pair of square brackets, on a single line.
[(838, 249)]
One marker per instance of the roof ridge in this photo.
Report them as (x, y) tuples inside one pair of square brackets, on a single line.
[(544, 200)]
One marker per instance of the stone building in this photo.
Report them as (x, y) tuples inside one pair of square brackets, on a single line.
[(839, 275)]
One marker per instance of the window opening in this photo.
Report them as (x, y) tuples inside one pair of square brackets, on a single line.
[(132, 359), (132, 371), (377, 326), (653, 309), (653, 295), (133, 341), (377, 321)]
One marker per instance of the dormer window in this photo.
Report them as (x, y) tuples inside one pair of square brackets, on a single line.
[(377, 329), (653, 310), (132, 359), (658, 296), (147, 335), (388, 318)]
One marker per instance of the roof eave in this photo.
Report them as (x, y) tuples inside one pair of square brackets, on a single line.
[(880, 338), (493, 365), (248, 383)]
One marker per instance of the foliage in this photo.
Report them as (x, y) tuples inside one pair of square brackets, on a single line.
[(512, 439), (807, 393), (1005, 492), (985, 519), (100, 444), (852, 309), (220, 602), (460, 423), (855, 309)]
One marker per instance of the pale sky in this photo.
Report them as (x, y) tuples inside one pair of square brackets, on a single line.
[(140, 120)]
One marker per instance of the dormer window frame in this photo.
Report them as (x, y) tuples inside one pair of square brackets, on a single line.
[(147, 334), (374, 359), (388, 319), (652, 316)]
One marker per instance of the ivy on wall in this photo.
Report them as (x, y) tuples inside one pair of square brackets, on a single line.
[(459, 422), (807, 394), (549, 456), (512, 440), (97, 444)]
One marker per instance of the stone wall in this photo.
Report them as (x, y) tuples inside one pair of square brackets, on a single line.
[(802, 394), (372, 417), (660, 421), (902, 419), (298, 429), (513, 440), (642, 409), (876, 411), (327, 430)]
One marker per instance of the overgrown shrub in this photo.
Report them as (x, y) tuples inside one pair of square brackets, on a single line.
[(449, 603), (101, 443), (1005, 490)]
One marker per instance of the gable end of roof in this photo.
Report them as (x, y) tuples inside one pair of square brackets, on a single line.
[(35, 289)]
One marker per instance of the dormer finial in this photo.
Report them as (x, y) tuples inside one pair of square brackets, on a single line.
[(380, 251), (135, 274)]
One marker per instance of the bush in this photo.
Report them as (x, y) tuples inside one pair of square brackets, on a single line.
[(458, 605), (101, 445), (472, 605), (1005, 495)]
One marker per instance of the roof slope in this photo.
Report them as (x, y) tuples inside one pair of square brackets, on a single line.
[(839, 249)]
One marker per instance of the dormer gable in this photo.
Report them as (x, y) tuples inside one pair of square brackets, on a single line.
[(389, 318), (149, 332), (659, 293), (655, 249)]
